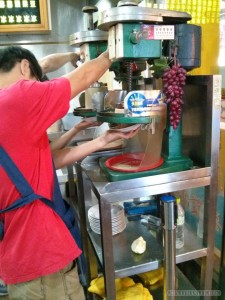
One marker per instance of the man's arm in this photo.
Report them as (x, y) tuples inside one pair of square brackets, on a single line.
[(86, 74), (69, 155), (64, 139), (53, 62)]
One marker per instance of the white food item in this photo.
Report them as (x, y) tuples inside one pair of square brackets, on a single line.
[(125, 166), (139, 245)]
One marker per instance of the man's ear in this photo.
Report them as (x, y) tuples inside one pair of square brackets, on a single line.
[(25, 68)]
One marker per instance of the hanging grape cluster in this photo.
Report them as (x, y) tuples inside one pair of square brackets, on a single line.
[(173, 82)]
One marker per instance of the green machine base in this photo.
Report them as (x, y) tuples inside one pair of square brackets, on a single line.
[(169, 166)]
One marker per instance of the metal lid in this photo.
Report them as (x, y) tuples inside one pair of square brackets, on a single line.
[(125, 2), (78, 38), (127, 14), (89, 9)]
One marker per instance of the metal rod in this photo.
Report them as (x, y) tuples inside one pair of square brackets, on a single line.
[(169, 250), (90, 10), (129, 75)]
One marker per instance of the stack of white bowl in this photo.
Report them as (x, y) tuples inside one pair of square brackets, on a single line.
[(117, 215)]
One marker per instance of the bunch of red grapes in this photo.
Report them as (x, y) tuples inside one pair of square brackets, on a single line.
[(173, 82)]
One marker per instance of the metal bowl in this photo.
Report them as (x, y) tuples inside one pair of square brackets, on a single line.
[(113, 98)]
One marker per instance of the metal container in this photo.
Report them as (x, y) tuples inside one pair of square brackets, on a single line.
[(90, 92), (114, 99)]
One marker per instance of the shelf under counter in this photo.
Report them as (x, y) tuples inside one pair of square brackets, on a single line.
[(127, 263)]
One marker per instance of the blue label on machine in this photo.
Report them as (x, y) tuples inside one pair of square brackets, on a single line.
[(137, 103)]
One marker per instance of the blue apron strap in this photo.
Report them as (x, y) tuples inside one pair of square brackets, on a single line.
[(26, 200), (20, 182), (59, 203), (56, 192), (14, 174)]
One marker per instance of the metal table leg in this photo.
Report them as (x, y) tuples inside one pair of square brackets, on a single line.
[(169, 248)]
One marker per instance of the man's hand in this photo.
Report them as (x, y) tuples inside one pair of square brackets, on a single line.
[(74, 57), (113, 135), (86, 124)]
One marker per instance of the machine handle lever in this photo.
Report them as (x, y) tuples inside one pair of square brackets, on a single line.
[(90, 10)]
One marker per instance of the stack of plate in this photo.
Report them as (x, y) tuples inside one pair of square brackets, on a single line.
[(117, 214)]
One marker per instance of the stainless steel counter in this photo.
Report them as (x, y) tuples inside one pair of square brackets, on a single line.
[(145, 186), (113, 252)]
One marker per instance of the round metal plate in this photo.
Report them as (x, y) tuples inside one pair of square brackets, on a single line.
[(81, 37), (116, 118), (128, 14), (83, 112)]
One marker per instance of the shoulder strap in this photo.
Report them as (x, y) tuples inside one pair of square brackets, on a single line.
[(20, 182), (14, 174)]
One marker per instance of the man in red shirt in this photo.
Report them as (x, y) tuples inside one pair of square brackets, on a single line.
[(37, 251)]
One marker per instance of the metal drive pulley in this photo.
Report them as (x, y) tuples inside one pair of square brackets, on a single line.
[(92, 42), (92, 34)]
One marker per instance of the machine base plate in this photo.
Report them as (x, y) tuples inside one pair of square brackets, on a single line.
[(169, 166)]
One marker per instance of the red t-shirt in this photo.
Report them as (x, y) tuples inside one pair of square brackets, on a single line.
[(36, 240)]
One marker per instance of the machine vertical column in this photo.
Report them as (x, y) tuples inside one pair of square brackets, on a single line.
[(169, 248)]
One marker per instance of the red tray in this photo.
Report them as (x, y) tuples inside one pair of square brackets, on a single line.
[(130, 162)]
